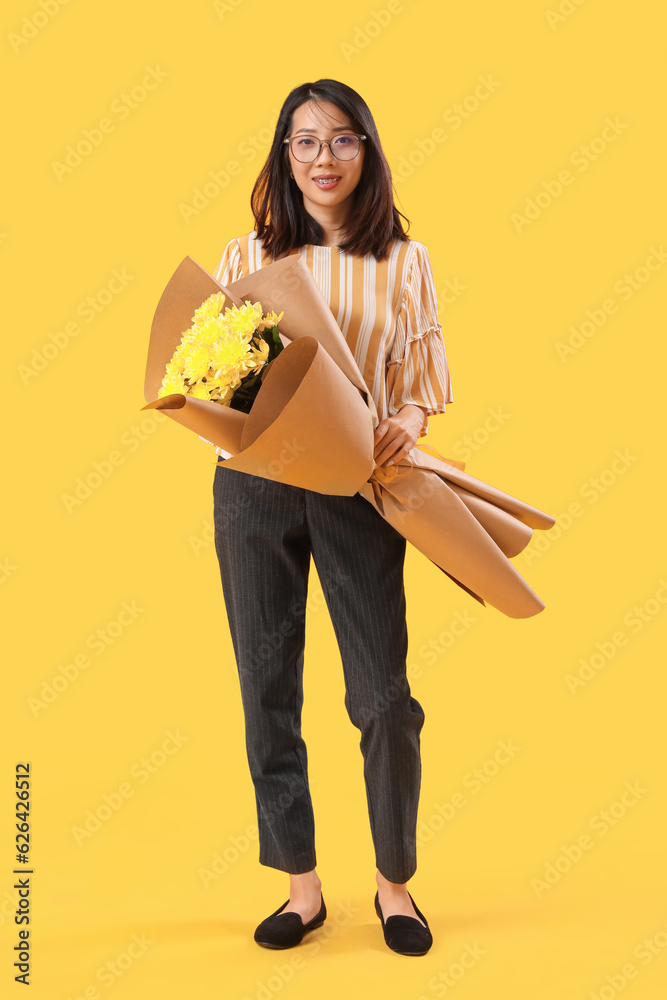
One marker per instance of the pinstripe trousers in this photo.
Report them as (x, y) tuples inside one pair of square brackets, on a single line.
[(265, 533)]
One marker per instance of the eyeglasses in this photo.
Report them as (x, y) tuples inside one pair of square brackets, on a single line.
[(307, 148)]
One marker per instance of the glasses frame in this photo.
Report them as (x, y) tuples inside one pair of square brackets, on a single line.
[(323, 142)]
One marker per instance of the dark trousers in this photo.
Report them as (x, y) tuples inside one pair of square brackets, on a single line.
[(265, 533)]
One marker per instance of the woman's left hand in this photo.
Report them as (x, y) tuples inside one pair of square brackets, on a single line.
[(396, 436)]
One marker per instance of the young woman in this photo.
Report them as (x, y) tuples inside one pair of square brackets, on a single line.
[(325, 192)]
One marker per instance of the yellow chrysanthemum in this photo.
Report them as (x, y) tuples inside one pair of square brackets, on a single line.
[(260, 352), (243, 319), (219, 350), (172, 384), (200, 391), (175, 368), (228, 354), (196, 362), (209, 328), (212, 306), (269, 320), (189, 337)]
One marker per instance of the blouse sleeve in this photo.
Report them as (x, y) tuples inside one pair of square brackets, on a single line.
[(417, 369), (229, 266)]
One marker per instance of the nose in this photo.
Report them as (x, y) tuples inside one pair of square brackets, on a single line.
[(325, 155)]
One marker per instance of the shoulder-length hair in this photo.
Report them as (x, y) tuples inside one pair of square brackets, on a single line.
[(282, 222)]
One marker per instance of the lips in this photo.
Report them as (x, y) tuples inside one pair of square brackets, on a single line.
[(326, 180)]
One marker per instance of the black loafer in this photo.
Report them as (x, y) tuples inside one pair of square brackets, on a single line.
[(284, 930), (405, 935)]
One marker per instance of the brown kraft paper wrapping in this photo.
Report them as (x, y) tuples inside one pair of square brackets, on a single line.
[(312, 426)]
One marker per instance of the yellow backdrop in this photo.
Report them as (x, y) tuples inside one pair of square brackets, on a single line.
[(525, 141)]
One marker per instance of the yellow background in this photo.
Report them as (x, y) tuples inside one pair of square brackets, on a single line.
[(144, 532)]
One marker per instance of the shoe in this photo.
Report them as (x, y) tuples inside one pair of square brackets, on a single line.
[(405, 935), (284, 930)]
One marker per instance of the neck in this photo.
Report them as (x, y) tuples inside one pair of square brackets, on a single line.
[(332, 220)]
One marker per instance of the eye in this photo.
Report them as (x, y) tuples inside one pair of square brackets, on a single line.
[(304, 140), (344, 140)]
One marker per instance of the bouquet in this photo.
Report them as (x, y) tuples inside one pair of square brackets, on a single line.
[(223, 354), (312, 427)]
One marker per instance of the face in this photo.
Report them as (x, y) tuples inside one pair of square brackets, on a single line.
[(325, 121)]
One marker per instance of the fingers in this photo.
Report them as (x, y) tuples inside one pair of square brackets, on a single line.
[(392, 441), (392, 451)]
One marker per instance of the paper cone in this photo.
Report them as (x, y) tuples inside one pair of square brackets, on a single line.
[(460, 533)]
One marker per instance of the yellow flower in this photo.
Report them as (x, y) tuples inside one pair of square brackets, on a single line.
[(212, 306), (270, 320), (260, 353), (171, 384), (219, 350), (208, 329), (244, 319), (196, 362), (200, 391), (228, 354), (174, 369)]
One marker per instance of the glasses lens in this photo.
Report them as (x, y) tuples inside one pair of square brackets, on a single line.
[(305, 148), (345, 147)]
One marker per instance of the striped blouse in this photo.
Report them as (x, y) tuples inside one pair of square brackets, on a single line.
[(387, 311)]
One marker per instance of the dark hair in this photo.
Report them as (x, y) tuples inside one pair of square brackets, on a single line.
[(281, 221)]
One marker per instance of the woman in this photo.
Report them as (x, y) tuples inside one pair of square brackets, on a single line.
[(325, 192)]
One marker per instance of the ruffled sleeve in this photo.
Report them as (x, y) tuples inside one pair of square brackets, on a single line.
[(417, 370), (230, 265)]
